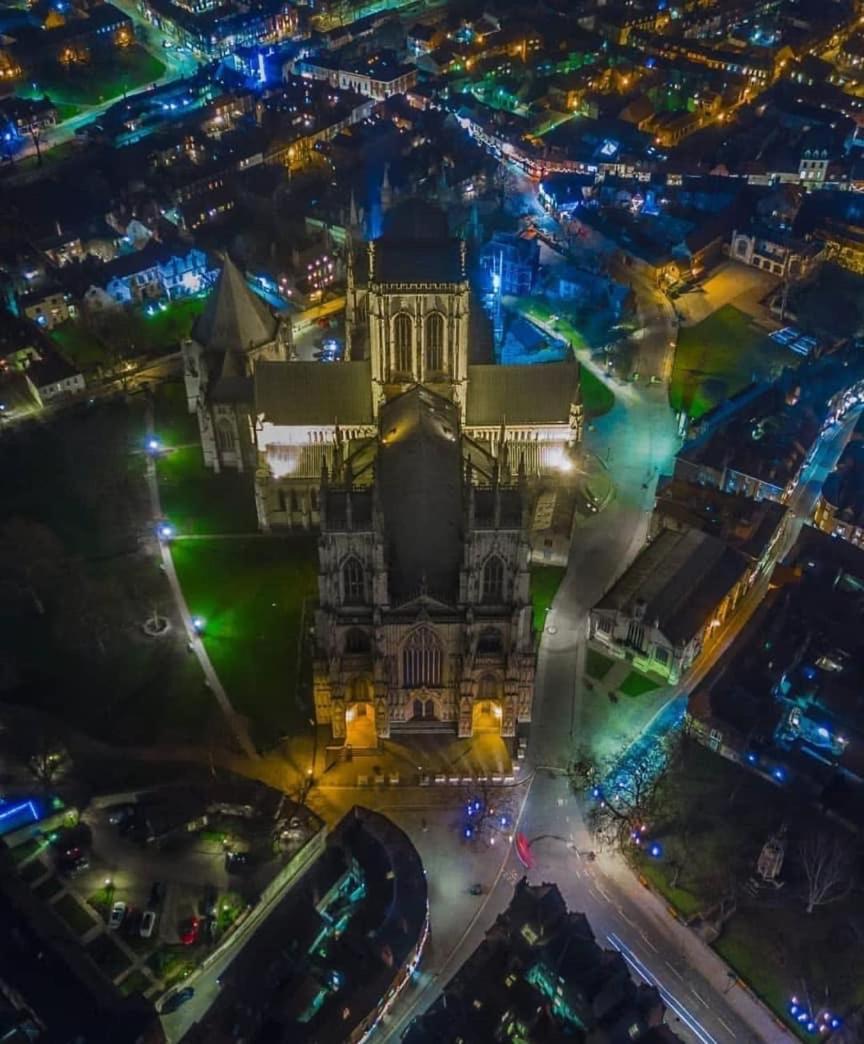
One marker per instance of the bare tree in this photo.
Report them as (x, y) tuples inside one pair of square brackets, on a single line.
[(827, 866), (627, 797)]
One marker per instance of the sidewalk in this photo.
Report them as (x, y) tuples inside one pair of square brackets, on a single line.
[(696, 952)]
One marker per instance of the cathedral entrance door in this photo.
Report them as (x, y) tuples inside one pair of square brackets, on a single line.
[(360, 725)]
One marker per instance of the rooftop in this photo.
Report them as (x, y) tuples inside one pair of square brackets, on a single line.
[(313, 392), (516, 394)]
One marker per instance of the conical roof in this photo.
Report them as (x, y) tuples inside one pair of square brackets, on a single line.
[(234, 318)]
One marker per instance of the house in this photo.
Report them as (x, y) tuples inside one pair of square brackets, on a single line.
[(662, 611), (48, 306), (26, 350), (155, 271), (510, 263)]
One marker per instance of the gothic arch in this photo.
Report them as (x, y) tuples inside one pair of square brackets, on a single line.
[(403, 343), (422, 660), (225, 435), (353, 581), (492, 580), (434, 343)]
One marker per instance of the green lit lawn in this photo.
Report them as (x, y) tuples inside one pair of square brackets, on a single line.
[(104, 78), (597, 665), (175, 425), (199, 502), (80, 346), (597, 398), (545, 581), (720, 356), (251, 594), (636, 684), (167, 328)]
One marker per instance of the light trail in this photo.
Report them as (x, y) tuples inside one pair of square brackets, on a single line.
[(644, 972)]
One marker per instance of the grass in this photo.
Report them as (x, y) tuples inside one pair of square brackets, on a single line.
[(597, 665), (718, 357), (100, 80), (171, 325), (32, 871), (135, 982), (636, 684), (597, 397), (48, 889), (74, 914), (251, 594), (713, 819), (171, 964), (199, 502), (175, 425), (25, 850), (79, 346), (107, 956), (545, 581)]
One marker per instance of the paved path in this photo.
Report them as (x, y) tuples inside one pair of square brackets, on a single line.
[(196, 645)]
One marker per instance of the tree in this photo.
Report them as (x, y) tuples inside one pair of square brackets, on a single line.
[(625, 796), (827, 866), (31, 559), (38, 747)]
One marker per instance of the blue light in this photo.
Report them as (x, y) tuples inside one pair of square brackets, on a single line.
[(835, 1022), (503, 821), (793, 1009), (20, 808), (809, 672), (751, 757), (154, 445), (823, 732), (469, 832), (595, 792), (655, 851), (198, 624), (166, 531), (779, 774)]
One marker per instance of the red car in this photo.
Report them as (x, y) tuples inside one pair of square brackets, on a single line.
[(189, 936)]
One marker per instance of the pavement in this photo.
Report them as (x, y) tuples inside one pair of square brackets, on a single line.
[(731, 283)]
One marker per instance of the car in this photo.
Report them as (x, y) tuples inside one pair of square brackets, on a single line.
[(157, 894), (118, 915), (148, 923), (211, 895), (189, 935), (177, 1000), (118, 814), (236, 860)]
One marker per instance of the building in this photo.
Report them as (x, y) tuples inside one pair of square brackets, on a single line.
[(24, 349), (409, 321), (840, 507), (338, 949), (235, 331), (662, 610), (788, 702), (510, 263), (377, 77), (540, 976), (157, 270), (425, 608)]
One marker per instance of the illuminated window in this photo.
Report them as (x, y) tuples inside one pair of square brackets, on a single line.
[(403, 329), (353, 582), (435, 343), (422, 660)]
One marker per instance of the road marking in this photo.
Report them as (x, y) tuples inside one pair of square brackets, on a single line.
[(600, 890), (699, 996), (674, 970), (648, 942), (727, 1027)]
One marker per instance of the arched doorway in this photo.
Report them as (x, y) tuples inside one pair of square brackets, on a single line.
[(423, 709), (487, 711), (360, 715)]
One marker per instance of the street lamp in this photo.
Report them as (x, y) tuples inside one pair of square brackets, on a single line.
[(166, 532), (153, 446), (198, 624)]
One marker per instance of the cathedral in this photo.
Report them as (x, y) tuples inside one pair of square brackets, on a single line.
[(415, 460)]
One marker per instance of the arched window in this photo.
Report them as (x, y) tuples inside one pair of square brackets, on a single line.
[(360, 690), (489, 688), (403, 328), (353, 582), (422, 660), (225, 435), (490, 641), (357, 641), (435, 343), (493, 581)]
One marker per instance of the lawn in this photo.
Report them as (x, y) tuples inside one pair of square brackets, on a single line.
[(597, 665), (169, 325), (175, 425), (718, 357), (135, 982), (79, 346), (713, 819), (74, 914), (545, 581), (251, 593), (199, 502), (122, 69), (107, 955), (597, 397), (49, 888), (171, 964), (636, 684)]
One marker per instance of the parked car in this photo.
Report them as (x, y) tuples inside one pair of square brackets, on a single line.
[(118, 814), (148, 923), (177, 1000), (118, 915), (211, 895), (189, 935)]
